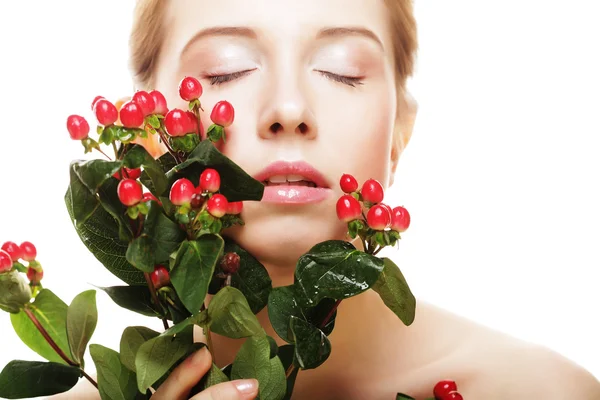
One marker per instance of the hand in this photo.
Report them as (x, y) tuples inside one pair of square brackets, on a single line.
[(188, 373)]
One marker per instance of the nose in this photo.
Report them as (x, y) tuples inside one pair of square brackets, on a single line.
[(286, 110)]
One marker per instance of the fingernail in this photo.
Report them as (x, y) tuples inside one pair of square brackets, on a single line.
[(247, 386)]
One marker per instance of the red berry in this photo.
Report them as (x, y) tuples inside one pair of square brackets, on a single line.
[(235, 207), (372, 191), (348, 208), (400, 219), (160, 277), (96, 100), (35, 275), (5, 262), (145, 101), (106, 112), (442, 388), (348, 183), (190, 88), (230, 263), (13, 250), (128, 173), (160, 103), (217, 205), (452, 396), (197, 200), (28, 251), (387, 208), (129, 191), (378, 217), (210, 180), (177, 122), (193, 123), (222, 114), (78, 127), (131, 115), (181, 191)]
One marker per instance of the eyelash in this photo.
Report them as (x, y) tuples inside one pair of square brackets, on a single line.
[(216, 80)]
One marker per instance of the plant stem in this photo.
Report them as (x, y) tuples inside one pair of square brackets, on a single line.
[(115, 150), (377, 251), (330, 314), (162, 135), (197, 112), (105, 155), (155, 298), (290, 370), (54, 346), (210, 344)]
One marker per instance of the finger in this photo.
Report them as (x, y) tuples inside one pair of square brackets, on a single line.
[(185, 376), (242, 389)]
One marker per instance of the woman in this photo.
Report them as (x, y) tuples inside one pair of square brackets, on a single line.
[(319, 89)]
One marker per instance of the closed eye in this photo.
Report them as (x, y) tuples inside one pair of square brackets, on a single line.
[(346, 80), (220, 79)]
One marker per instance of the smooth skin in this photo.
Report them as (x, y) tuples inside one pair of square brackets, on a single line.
[(287, 57)]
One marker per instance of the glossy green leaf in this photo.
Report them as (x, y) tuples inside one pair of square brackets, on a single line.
[(402, 396), (82, 316), (335, 269), (252, 279), (109, 200), (140, 253), (395, 293), (253, 361), (133, 298), (236, 184), (153, 121), (28, 379), (312, 347), (156, 356), (51, 312), (193, 269), (283, 304), (80, 202), (137, 156), (93, 173), (115, 382), (131, 340), (230, 315), (100, 233), (166, 163)]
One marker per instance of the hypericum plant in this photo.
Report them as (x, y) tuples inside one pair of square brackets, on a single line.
[(157, 225)]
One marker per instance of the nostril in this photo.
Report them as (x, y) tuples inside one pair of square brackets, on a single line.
[(276, 127), (303, 128)]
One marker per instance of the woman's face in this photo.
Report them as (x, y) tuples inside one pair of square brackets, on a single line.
[(313, 87)]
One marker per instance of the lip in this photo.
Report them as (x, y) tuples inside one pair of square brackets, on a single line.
[(294, 194)]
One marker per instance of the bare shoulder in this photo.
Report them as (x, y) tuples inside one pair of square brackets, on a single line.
[(494, 365)]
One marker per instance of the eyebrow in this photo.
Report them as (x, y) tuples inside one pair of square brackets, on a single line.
[(249, 33)]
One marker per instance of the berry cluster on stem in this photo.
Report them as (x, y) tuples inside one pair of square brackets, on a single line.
[(11, 255)]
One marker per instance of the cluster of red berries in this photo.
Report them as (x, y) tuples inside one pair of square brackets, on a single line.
[(132, 195), (379, 218), (446, 390), (137, 114), (184, 194), (11, 253)]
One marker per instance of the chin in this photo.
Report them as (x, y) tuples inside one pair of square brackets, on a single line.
[(278, 236)]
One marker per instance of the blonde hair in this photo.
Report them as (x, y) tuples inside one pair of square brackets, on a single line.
[(148, 33)]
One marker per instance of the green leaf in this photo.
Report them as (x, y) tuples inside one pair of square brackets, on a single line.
[(106, 136), (402, 396), (82, 317), (115, 382), (252, 278), (230, 315), (335, 269), (312, 345), (253, 361), (28, 379), (109, 200), (131, 340), (15, 291), (156, 356), (236, 184), (200, 319), (395, 293), (166, 163), (100, 234), (51, 312), (286, 355), (80, 202), (283, 304), (214, 376), (93, 173), (193, 269), (185, 143), (136, 157), (153, 121), (140, 253), (133, 298)]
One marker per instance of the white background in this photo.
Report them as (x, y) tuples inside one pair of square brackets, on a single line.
[(501, 176)]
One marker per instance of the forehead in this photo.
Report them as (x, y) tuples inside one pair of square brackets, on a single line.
[(275, 19)]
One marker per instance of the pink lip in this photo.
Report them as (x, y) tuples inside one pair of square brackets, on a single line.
[(294, 194)]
